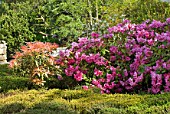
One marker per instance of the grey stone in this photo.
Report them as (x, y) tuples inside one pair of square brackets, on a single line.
[(2, 51), (56, 52), (3, 57)]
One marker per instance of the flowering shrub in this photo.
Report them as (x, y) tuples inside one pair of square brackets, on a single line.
[(130, 58), (35, 61)]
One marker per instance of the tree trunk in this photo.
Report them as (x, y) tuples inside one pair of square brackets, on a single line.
[(90, 13)]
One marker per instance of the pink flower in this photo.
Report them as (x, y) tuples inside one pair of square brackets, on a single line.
[(161, 37), (95, 82), (168, 20), (156, 82), (83, 40), (150, 42), (77, 55), (94, 35), (113, 69), (139, 79), (156, 24), (153, 77), (155, 90), (113, 49), (60, 78), (168, 66), (107, 86), (128, 87), (141, 40), (85, 87), (109, 77), (127, 58), (148, 52), (78, 76), (107, 91), (74, 44), (98, 72), (84, 56), (135, 75), (101, 80), (69, 71), (122, 83), (167, 82), (12, 63), (130, 81), (113, 29), (167, 78), (147, 34), (71, 61), (89, 60), (125, 72), (112, 58)]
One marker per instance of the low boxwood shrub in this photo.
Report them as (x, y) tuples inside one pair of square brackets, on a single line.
[(52, 101), (13, 82), (112, 111), (5, 71), (12, 108)]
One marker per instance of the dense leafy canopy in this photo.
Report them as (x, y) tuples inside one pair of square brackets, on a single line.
[(64, 21)]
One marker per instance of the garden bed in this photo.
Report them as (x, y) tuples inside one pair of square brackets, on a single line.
[(17, 99)]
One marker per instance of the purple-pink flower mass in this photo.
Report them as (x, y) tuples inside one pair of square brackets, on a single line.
[(131, 57)]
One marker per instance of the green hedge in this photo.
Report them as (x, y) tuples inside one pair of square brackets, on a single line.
[(13, 82), (5, 71), (82, 102)]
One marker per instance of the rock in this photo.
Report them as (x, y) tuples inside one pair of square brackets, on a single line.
[(2, 51), (56, 53), (3, 57)]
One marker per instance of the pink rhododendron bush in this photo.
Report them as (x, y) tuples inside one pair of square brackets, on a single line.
[(130, 58)]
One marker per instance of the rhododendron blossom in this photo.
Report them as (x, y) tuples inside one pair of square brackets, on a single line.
[(130, 57)]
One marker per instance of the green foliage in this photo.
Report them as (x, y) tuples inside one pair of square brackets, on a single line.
[(112, 111), (5, 71), (13, 82), (15, 28), (65, 83), (64, 21), (142, 10), (87, 102), (9, 81)]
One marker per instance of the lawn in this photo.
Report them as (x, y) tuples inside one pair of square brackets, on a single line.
[(18, 98)]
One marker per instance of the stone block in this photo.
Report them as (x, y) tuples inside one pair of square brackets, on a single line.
[(3, 61), (2, 45), (3, 57), (2, 51), (55, 53)]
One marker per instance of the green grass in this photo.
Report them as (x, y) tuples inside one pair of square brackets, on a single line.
[(15, 98)]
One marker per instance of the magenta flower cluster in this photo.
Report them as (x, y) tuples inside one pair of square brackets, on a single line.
[(130, 58)]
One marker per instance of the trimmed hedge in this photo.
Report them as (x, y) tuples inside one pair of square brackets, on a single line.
[(5, 71), (9, 81), (13, 82), (82, 102)]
